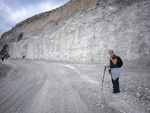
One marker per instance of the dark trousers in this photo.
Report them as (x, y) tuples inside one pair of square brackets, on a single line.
[(2, 58), (115, 85)]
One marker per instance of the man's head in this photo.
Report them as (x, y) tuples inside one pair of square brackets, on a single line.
[(111, 53)]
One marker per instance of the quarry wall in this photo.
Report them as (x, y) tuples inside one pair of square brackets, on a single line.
[(84, 31)]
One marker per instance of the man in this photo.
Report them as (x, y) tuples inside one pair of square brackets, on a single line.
[(114, 71), (2, 58)]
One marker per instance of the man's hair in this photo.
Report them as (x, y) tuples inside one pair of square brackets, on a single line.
[(111, 51)]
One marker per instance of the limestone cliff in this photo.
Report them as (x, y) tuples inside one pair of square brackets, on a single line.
[(83, 31)]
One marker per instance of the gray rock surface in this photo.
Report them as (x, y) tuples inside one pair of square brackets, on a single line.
[(4, 69), (83, 31)]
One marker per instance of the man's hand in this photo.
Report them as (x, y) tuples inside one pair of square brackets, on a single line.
[(106, 66), (111, 58)]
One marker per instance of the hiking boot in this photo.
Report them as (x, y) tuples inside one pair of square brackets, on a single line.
[(116, 91)]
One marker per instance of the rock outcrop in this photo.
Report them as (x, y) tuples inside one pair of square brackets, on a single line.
[(84, 31)]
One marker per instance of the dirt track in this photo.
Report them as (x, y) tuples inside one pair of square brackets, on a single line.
[(39, 87)]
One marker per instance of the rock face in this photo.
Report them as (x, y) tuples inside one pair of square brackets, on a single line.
[(4, 49), (84, 31)]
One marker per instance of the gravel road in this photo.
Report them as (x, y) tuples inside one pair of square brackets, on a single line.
[(41, 87)]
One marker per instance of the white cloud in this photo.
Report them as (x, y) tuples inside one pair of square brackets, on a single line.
[(11, 17), (17, 16)]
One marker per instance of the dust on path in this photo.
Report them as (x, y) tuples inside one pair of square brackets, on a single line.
[(41, 87)]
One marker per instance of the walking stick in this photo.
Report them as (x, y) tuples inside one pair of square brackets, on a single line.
[(103, 78)]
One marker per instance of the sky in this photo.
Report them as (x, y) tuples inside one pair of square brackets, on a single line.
[(15, 11)]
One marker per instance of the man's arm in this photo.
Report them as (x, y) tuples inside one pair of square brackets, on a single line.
[(114, 61)]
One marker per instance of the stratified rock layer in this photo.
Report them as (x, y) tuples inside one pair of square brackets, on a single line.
[(84, 31)]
